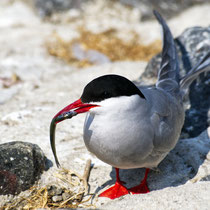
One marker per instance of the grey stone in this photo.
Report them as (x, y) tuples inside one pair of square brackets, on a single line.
[(192, 45), (93, 56), (48, 7), (167, 8), (57, 198), (21, 164), (54, 190)]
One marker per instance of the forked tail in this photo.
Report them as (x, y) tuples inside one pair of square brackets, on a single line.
[(169, 67), (168, 75)]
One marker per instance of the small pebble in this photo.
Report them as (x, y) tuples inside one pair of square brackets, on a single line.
[(54, 190), (57, 198)]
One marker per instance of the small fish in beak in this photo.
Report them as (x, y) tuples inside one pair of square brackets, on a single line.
[(68, 112)]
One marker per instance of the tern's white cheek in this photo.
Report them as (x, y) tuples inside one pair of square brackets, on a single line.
[(118, 105)]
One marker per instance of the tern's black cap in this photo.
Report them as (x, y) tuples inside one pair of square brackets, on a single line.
[(109, 86)]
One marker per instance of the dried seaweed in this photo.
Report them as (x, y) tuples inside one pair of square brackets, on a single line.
[(106, 43)]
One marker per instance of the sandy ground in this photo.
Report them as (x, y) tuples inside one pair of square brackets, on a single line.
[(48, 84)]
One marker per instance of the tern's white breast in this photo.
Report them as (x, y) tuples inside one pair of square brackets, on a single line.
[(118, 132)]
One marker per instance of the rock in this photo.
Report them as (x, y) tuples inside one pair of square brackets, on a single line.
[(21, 164), (192, 45), (167, 8), (57, 193), (91, 56), (48, 7), (54, 190), (57, 198), (9, 183)]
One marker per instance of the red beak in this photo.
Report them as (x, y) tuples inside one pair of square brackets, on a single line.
[(68, 112), (73, 109)]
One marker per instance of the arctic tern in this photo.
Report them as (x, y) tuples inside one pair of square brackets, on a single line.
[(129, 127)]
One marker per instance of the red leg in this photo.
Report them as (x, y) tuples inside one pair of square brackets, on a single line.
[(142, 187), (117, 190)]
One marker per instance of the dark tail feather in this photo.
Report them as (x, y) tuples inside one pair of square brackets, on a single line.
[(169, 68), (200, 67)]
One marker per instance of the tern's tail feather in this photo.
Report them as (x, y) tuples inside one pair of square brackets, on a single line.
[(169, 68), (200, 67), (168, 75)]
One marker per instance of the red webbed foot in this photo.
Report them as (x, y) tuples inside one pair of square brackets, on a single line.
[(142, 187), (139, 189), (115, 191)]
